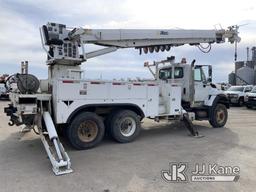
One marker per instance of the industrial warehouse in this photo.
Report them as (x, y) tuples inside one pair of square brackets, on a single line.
[(108, 97), (245, 71)]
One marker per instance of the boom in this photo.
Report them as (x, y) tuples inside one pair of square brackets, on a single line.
[(64, 43)]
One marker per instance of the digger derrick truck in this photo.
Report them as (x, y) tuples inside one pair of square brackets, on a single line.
[(86, 109)]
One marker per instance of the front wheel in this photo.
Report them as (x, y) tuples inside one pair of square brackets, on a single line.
[(218, 116), (241, 102), (248, 106)]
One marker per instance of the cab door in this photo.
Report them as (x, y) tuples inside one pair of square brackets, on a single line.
[(202, 86)]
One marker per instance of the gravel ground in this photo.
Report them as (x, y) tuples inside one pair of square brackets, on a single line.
[(133, 167)]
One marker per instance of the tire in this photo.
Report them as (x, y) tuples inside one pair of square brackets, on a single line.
[(241, 102), (108, 122), (86, 131), (248, 106), (125, 126), (218, 116)]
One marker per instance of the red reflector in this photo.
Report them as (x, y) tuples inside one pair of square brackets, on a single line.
[(136, 84), (67, 81)]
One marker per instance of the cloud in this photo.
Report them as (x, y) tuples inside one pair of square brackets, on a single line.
[(19, 39)]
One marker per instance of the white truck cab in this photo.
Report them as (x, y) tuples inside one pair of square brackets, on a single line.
[(250, 98), (198, 94), (3, 91)]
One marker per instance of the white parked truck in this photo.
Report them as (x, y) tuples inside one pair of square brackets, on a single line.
[(86, 109), (236, 94), (3, 92)]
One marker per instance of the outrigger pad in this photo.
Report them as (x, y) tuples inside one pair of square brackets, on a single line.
[(191, 128)]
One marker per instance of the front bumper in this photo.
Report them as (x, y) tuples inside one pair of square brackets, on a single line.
[(251, 101), (233, 100)]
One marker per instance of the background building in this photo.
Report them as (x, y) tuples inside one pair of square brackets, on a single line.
[(245, 71)]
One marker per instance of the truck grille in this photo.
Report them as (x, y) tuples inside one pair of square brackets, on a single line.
[(231, 95)]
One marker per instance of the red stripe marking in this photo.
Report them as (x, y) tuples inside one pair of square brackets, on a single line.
[(67, 81), (137, 84)]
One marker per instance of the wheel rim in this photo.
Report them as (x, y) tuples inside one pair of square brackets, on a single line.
[(220, 116), (88, 131), (128, 126)]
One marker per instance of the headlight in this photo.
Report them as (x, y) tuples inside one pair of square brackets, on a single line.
[(34, 110)]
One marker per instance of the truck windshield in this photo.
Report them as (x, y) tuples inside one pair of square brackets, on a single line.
[(237, 88), (165, 74)]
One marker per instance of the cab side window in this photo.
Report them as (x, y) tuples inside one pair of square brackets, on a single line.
[(178, 72), (165, 74), (197, 74)]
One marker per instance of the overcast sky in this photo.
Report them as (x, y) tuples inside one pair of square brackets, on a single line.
[(20, 39)]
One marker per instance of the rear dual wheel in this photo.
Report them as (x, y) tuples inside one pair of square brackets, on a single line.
[(123, 125), (86, 131)]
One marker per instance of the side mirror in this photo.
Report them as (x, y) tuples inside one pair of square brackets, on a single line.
[(209, 80), (210, 74)]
